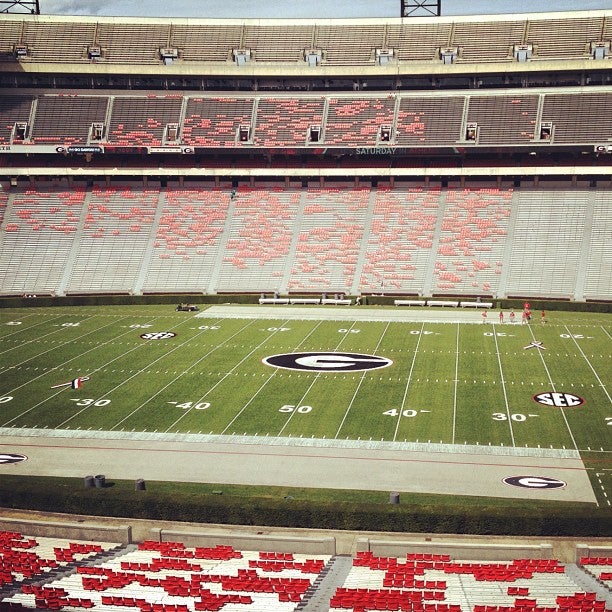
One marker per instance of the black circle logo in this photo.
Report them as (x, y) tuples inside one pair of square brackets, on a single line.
[(12, 458), (327, 362), (557, 399), (157, 335), (534, 482)]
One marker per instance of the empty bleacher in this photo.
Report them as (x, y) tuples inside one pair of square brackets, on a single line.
[(115, 239), (418, 120), (357, 120), (67, 118), (206, 43), (407, 239), (503, 119), (286, 44), (547, 242), (38, 235), (352, 42), (486, 41), (13, 109), (583, 116), (187, 239), (142, 120), (59, 42), (216, 121)]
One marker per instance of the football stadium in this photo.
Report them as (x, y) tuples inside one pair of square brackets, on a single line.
[(306, 314)]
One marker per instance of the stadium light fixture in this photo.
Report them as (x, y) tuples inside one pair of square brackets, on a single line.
[(421, 8), (31, 7)]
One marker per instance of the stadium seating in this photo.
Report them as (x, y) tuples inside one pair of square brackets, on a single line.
[(168, 576), (115, 239), (187, 240), (153, 576), (409, 239), (297, 120), (433, 582)]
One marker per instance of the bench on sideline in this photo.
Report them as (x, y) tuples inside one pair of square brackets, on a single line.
[(279, 300), (443, 303)]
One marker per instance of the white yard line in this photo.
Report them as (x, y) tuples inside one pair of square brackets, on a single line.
[(552, 388), (317, 376), (38, 339), (241, 411), (456, 381), (20, 330), (401, 410), (59, 367), (601, 384), (168, 384), (363, 375), (503, 382)]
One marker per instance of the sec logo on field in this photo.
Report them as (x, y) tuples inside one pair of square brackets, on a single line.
[(534, 482), (12, 458), (558, 399), (158, 335), (327, 362)]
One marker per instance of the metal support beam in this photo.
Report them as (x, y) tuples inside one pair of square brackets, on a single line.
[(421, 8), (30, 7)]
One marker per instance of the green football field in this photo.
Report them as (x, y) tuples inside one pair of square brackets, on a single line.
[(538, 385)]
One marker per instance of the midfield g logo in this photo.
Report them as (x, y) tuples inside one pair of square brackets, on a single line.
[(327, 362)]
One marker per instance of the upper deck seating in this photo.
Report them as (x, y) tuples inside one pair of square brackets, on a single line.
[(142, 120), (206, 43), (58, 42), (504, 119), (283, 44), (286, 121), (423, 121), (13, 109), (216, 121), (357, 121), (67, 118)]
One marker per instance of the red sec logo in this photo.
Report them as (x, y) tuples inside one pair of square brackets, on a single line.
[(557, 399)]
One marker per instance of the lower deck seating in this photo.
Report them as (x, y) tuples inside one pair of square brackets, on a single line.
[(53, 573), (401, 241)]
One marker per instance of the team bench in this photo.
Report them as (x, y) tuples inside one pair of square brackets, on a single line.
[(304, 300), (442, 303), (476, 304), (409, 302), (273, 300)]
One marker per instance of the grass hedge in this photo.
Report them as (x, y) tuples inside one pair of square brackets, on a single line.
[(305, 508)]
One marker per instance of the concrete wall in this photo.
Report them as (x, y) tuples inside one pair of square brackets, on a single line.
[(289, 544), (89, 532), (457, 551), (588, 550)]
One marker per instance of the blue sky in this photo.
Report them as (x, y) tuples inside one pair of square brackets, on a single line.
[(297, 9)]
